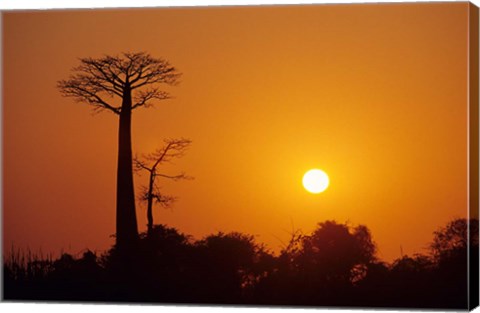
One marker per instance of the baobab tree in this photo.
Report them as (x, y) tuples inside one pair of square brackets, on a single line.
[(120, 84), (173, 148)]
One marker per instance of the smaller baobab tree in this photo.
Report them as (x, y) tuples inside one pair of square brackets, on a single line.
[(172, 148)]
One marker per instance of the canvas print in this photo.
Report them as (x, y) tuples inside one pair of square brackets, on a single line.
[(296, 155)]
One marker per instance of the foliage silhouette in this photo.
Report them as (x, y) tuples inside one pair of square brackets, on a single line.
[(335, 265), (229, 265), (450, 250), (132, 79), (456, 236), (316, 267)]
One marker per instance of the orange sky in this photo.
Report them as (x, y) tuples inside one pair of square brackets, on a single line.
[(375, 95)]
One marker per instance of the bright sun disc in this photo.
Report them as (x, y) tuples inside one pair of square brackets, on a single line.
[(315, 181)]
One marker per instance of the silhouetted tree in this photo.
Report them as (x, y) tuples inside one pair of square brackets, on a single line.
[(452, 247), (337, 252), (320, 268), (228, 266), (374, 289), (173, 148), (457, 235), (413, 278), (120, 84)]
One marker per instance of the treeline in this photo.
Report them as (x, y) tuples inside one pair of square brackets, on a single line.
[(335, 265)]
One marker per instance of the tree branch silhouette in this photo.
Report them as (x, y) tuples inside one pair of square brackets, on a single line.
[(173, 148)]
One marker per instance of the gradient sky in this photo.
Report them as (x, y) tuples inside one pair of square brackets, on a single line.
[(375, 95)]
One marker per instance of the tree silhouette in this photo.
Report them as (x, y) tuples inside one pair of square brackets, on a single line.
[(453, 246), (228, 266), (173, 148), (120, 84), (457, 235), (337, 252), (322, 268)]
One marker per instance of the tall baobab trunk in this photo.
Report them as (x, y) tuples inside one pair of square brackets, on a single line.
[(127, 232), (150, 203)]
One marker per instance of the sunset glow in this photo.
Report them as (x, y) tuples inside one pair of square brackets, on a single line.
[(376, 95)]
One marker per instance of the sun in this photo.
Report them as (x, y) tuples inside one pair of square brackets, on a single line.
[(315, 181)]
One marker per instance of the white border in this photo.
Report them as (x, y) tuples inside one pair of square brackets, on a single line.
[(80, 308), (49, 4)]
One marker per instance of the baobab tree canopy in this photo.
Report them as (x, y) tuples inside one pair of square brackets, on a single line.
[(121, 84), (97, 81)]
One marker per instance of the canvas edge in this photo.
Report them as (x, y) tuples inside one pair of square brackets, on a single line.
[(473, 103), (473, 141), (1, 156)]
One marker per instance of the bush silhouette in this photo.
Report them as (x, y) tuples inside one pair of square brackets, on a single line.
[(335, 265)]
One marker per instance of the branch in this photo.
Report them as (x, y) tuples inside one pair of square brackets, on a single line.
[(79, 87), (175, 177), (140, 165), (103, 69), (142, 98), (100, 84), (161, 155), (148, 70), (165, 201), (173, 148)]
